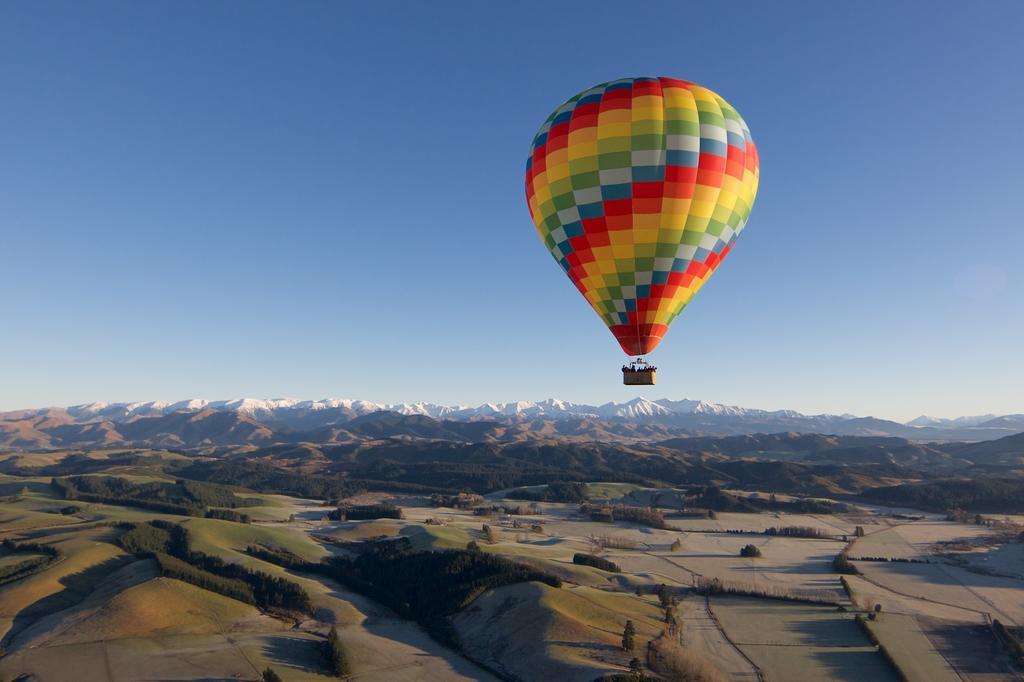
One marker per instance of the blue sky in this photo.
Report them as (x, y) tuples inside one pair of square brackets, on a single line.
[(326, 199)]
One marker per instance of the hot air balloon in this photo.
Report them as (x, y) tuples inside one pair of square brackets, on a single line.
[(639, 188)]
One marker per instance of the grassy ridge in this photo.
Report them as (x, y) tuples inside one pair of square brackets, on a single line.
[(169, 544)]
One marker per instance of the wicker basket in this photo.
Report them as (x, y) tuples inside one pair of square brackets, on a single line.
[(644, 377)]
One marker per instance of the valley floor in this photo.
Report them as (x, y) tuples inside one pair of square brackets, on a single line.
[(99, 613)]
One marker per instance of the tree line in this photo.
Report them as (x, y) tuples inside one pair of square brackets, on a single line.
[(266, 478), (183, 497), (361, 512), (984, 495), (23, 569), (168, 543), (556, 491), (584, 559), (607, 513), (425, 586), (713, 498)]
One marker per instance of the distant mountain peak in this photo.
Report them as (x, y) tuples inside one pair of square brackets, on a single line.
[(683, 417), (926, 420)]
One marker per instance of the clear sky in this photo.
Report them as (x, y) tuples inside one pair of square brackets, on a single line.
[(319, 199)]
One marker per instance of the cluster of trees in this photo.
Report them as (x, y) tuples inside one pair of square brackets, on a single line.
[(447, 476), (750, 551), (169, 544), (425, 586), (269, 591), (265, 478), (126, 494), (645, 516), (337, 658), (705, 585), (183, 497), (281, 557), (665, 596), (515, 509), (10, 546), (556, 491), (713, 498), (670, 604), (985, 495), (212, 495), (457, 501), (228, 515), (893, 559), (613, 542), (595, 561), (510, 509), (676, 662), (842, 564), (23, 569), (797, 532), (173, 567), (151, 538), (365, 511)]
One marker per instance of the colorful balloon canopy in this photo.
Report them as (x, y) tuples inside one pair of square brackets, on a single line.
[(639, 188)]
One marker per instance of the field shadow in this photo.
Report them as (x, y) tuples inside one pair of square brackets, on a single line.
[(546, 541), (100, 534), (971, 649), (590, 646), (839, 631), (306, 654), (77, 586), (382, 622), (15, 487), (812, 564), (938, 573), (851, 665)]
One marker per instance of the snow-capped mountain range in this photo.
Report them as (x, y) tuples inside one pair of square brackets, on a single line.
[(681, 413), (638, 408), (195, 422)]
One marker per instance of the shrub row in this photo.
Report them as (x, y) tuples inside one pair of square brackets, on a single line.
[(23, 569), (1009, 641), (365, 512), (705, 585), (645, 516), (595, 561), (882, 649)]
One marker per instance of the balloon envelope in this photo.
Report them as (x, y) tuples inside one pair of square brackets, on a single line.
[(639, 188)]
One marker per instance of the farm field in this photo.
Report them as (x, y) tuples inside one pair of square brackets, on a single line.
[(107, 611), (951, 585), (913, 652), (792, 641), (912, 540)]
